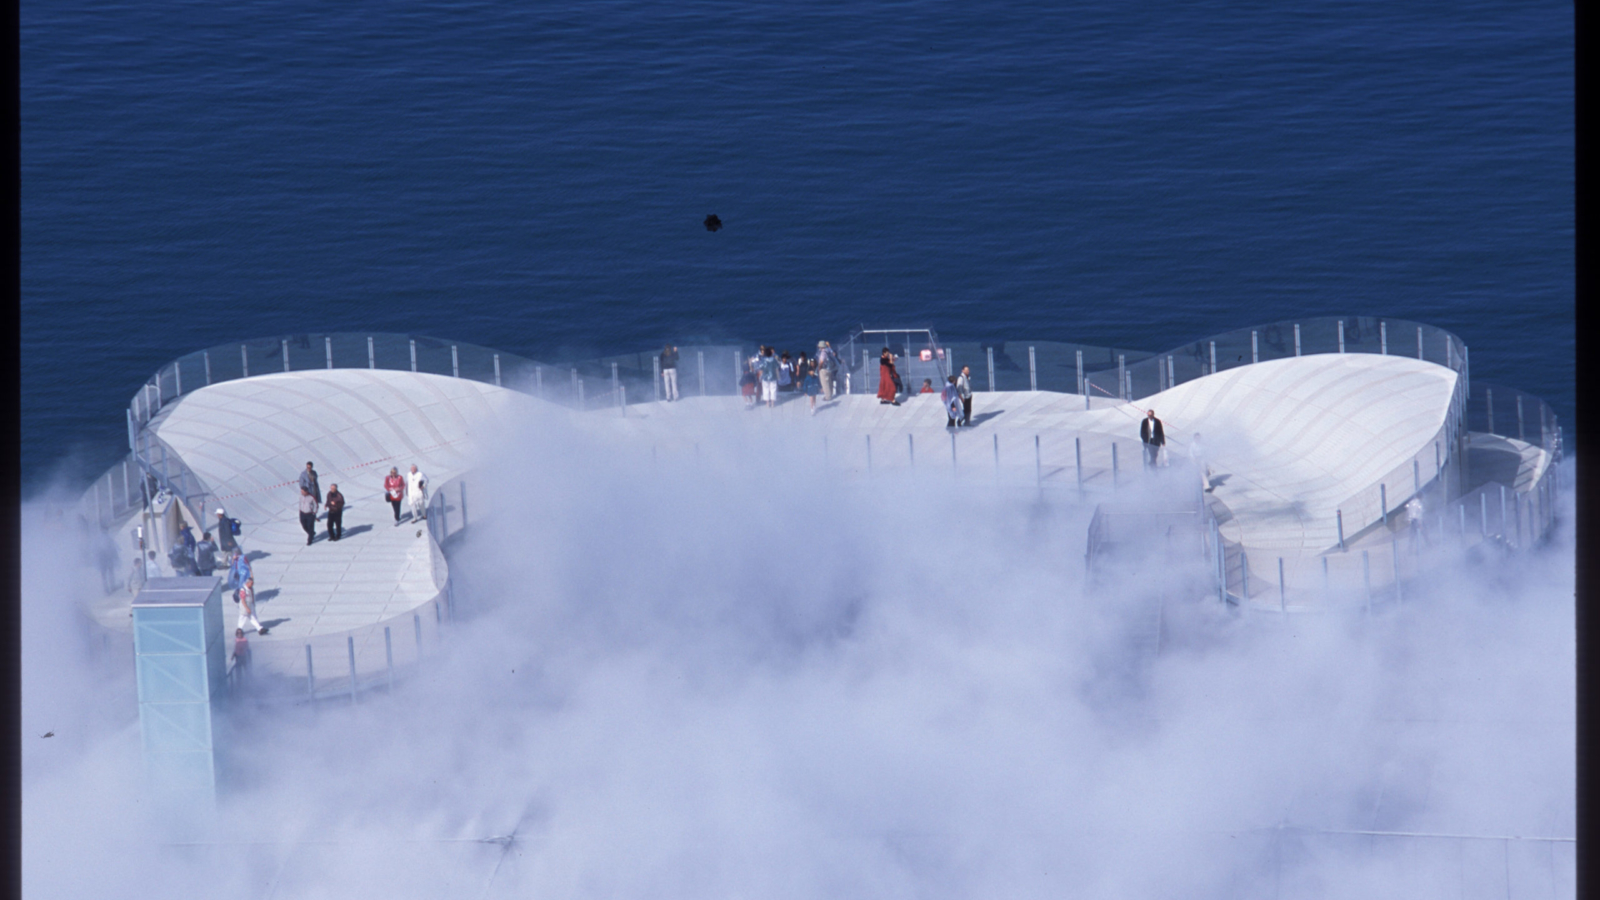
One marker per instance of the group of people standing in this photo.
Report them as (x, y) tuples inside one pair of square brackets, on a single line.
[(771, 372), (955, 397), (411, 488)]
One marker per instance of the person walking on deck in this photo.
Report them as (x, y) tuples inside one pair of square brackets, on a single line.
[(308, 515), (241, 656), (205, 555), (812, 385), (1153, 436), (335, 506), (669, 373), (768, 367), (950, 397), (238, 570), (308, 482), (888, 379), (417, 493), (394, 490), (964, 390), (827, 369), (225, 536), (786, 379), (246, 598)]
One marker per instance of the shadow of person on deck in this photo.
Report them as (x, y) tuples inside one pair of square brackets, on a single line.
[(269, 624), (254, 555), (355, 529), (983, 417), (264, 596)]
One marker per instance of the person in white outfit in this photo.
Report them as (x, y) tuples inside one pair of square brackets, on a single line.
[(669, 373), (417, 493), (247, 607)]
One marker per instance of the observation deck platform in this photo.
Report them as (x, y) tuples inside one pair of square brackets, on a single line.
[(249, 439)]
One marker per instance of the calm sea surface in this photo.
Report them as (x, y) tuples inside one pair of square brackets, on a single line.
[(532, 177)]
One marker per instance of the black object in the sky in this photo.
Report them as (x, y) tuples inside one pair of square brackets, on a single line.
[(713, 223)]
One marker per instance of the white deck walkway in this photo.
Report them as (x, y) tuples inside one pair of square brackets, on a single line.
[(1289, 441), (249, 439)]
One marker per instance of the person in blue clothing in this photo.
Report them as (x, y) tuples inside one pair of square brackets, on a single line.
[(238, 570), (768, 367), (950, 397), (812, 385)]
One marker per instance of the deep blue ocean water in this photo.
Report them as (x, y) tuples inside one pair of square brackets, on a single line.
[(533, 176)]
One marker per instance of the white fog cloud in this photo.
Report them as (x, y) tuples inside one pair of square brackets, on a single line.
[(746, 675)]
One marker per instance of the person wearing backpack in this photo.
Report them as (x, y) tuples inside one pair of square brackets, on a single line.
[(827, 366), (227, 531), (238, 570), (246, 598)]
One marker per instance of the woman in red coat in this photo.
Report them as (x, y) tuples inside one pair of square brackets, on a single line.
[(888, 378), (394, 489)]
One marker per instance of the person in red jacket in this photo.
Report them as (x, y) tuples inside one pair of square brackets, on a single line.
[(394, 490)]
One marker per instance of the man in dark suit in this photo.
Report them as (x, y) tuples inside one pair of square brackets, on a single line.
[(1154, 437)]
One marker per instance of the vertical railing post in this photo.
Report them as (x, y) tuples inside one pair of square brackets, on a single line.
[(1522, 434), (911, 450), (1255, 348), (372, 356), (1419, 342), (1171, 372), (655, 375), (327, 348), (1366, 579), (1038, 464), (1122, 375), (1244, 574), (1383, 338), (1483, 514), (311, 675), (207, 355), (615, 382), (1339, 518), (497, 370), (869, 454), (952, 451), (1081, 389), (1488, 397), (701, 355), (1113, 465), (996, 437), (1297, 339), (388, 655), (1033, 371), (244, 360), (538, 381), (1283, 604), (350, 642), (622, 399), (989, 351), (1383, 503), (455, 362), (285, 343), (416, 624), (413, 354), (1077, 451), (1416, 477), (1341, 335), (177, 379), (1213, 357)]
